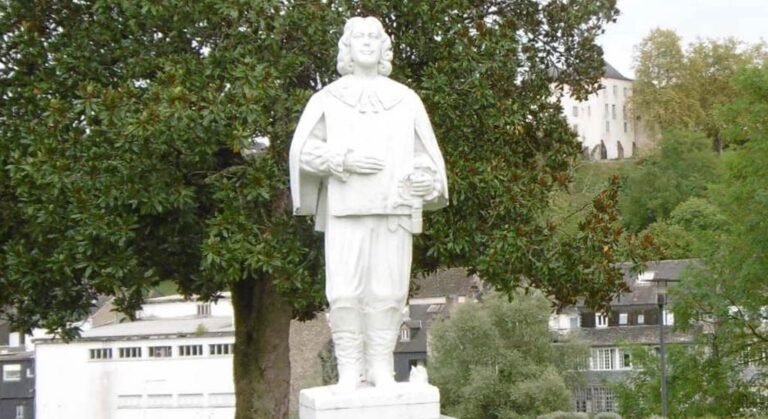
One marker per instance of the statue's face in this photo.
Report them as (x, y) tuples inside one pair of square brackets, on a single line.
[(365, 44)]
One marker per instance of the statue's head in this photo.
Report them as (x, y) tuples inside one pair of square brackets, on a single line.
[(364, 43)]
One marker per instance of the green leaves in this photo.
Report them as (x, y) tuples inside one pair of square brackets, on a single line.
[(495, 359), (124, 125)]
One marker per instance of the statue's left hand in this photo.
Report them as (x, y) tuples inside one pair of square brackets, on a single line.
[(422, 184)]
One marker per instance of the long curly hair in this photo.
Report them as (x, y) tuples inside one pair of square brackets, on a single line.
[(344, 60)]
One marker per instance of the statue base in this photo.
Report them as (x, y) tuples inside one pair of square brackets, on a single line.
[(400, 401)]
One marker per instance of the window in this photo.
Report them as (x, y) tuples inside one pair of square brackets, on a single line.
[(129, 401), (669, 318), (160, 400), (626, 360), (20, 412), (646, 276), (641, 319), (589, 111), (624, 112), (222, 349), (575, 111), (204, 309), (615, 90), (623, 318), (30, 373), (221, 399), (191, 350), (405, 333), (601, 320), (134, 352), (190, 400), (626, 92), (12, 372), (613, 111), (580, 397), (625, 127), (160, 351), (576, 128), (607, 110), (607, 126), (602, 359), (102, 353)]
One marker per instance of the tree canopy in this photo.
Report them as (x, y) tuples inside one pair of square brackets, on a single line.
[(683, 88), (127, 155), (495, 359), (724, 297)]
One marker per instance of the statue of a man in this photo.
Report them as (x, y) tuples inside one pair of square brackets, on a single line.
[(364, 161)]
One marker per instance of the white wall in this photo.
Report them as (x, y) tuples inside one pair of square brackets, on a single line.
[(70, 385), (590, 119), (174, 309)]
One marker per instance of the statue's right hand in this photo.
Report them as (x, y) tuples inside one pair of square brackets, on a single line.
[(362, 164)]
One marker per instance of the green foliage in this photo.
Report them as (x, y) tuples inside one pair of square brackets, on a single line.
[(688, 230), (607, 415), (330, 374), (125, 160), (698, 384), (683, 89), (495, 359), (680, 168), (725, 296), (124, 124), (728, 294)]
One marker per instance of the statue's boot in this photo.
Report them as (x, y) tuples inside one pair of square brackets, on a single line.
[(346, 332), (382, 328)]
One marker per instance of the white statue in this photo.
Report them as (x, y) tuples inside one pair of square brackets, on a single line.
[(364, 161)]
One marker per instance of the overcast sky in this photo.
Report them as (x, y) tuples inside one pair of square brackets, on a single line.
[(743, 19)]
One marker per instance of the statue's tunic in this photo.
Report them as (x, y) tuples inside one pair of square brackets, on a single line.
[(366, 217)]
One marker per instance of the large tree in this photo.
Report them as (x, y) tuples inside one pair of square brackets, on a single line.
[(681, 167), (677, 88), (724, 297), (127, 158), (496, 359), (728, 294)]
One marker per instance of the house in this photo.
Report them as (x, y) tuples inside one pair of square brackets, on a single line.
[(634, 319), (17, 375), (433, 296), (174, 361), (604, 122)]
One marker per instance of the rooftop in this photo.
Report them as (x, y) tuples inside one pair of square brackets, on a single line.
[(420, 316), (643, 292), (648, 334), (445, 282), (157, 328), (612, 73)]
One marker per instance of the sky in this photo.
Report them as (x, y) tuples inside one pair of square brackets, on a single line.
[(746, 20)]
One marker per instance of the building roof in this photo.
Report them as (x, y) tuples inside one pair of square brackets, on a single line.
[(445, 282), (157, 328), (420, 316), (611, 73), (644, 292), (15, 356), (647, 334)]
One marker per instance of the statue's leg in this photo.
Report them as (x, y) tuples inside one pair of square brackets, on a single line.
[(385, 297), (346, 249)]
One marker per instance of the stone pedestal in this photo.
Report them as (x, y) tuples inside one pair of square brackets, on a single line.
[(401, 401)]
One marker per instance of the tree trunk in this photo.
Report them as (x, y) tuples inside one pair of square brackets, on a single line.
[(262, 366), (717, 143)]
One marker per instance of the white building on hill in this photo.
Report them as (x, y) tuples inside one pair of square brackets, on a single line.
[(174, 362), (604, 122)]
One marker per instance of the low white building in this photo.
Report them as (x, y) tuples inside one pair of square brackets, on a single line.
[(604, 122), (175, 361)]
